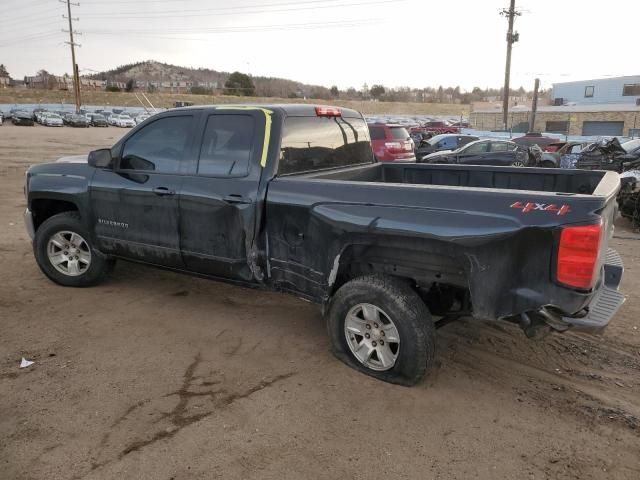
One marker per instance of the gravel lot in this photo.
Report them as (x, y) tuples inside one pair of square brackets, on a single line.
[(156, 375)]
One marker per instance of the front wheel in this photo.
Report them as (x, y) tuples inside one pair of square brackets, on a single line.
[(64, 253), (380, 326)]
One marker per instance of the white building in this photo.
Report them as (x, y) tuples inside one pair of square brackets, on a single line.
[(618, 90)]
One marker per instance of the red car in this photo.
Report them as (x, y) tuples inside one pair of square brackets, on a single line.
[(391, 143)]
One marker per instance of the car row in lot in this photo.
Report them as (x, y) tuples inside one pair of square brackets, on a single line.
[(83, 119)]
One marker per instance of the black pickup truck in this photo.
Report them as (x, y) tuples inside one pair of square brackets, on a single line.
[(289, 197)]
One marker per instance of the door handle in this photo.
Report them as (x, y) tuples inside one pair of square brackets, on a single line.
[(235, 198), (163, 191)]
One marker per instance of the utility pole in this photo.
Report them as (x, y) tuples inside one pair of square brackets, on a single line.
[(74, 65), (534, 105), (512, 37)]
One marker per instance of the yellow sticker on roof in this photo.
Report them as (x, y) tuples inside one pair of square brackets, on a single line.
[(267, 127)]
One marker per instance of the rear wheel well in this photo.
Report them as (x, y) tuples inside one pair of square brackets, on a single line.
[(44, 208), (437, 277)]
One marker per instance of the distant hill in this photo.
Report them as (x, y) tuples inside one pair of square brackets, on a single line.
[(153, 71)]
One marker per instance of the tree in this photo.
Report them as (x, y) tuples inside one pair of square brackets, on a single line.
[(335, 93), (440, 94), (3, 70), (376, 91), (112, 88), (239, 84), (131, 84)]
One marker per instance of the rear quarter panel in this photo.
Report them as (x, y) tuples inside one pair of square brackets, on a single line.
[(473, 237)]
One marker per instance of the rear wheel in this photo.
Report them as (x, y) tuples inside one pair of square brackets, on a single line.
[(380, 326), (548, 164), (64, 253), (517, 163)]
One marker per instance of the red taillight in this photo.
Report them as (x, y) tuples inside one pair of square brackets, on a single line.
[(578, 256), (328, 112)]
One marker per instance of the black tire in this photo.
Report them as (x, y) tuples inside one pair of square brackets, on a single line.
[(408, 312), (548, 164), (70, 222)]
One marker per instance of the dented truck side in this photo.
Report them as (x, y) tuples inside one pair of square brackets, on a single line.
[(313, 214)]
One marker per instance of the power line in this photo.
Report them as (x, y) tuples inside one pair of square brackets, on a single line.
[(237, 29), (38, 36), (233, 10)]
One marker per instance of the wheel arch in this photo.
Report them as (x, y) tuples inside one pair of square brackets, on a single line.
[(44, 208), (422, 263)]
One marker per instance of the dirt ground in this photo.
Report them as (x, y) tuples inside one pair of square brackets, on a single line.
[(156, 375)]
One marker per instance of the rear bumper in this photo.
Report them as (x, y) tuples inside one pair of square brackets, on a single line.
[(606, 300)]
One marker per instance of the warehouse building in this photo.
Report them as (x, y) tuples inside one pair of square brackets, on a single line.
[(614, 90), (588, 120)]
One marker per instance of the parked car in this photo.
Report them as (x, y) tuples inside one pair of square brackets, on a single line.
[(141, 118), (610, 155), (439, 127), (461, 124), (447, 141), (124, 121), (554, 152), (533, 138), (391, 143), (303, 207), (97, 120), (79, 121), (488, 152), (1, 118), (52, 120), (22, 118)]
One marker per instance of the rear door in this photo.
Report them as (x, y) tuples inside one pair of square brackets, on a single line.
[(218, 195), (135, 204), (474, 154), (500, 153)]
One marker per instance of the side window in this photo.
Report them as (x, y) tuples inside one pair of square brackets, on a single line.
[(376, 133), (500, 147), (482, 147), (576, 149), (159, 147), (226, 145)]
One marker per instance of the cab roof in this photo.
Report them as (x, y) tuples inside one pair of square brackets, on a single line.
[(288, 109)]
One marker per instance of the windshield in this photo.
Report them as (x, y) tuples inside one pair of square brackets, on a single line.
[(631, 145)]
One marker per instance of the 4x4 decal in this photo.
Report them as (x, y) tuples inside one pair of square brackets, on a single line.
[(528, 207)]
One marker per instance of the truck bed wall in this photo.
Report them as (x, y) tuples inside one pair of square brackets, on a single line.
[(544, 180), (470, 237)]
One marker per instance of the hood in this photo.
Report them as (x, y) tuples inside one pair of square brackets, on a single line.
[(73, 159)]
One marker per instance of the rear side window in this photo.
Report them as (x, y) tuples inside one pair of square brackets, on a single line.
[(316, 143), (159, 147), (399, 133), (226, 145), (377, 133), (501, 147), (481, 147)]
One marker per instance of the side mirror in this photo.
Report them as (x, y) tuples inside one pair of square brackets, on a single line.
[(101, 158)]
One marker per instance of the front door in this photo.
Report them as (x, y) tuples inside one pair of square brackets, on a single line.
[(218, 199), (135, 204)]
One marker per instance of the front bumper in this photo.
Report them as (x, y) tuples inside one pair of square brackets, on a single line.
[(607, 299), (28, 223)]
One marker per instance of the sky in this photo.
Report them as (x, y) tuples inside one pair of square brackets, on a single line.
[(415, 43)]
